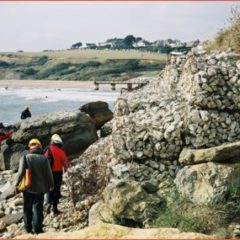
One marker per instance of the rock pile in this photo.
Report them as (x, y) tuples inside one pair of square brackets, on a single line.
[(11, 212), (89, 175), (179, 110), (153, 125)]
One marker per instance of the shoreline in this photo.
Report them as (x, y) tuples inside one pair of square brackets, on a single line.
[(47, 84)]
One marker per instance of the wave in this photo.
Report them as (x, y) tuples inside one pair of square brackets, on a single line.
[(44, 100), (55, 95)]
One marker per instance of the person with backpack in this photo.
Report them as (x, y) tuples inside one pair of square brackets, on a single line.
[(59, 163), (41, 182)]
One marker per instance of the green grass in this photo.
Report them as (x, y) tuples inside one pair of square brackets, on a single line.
[(88, 54), (81, 65), (211, 218)]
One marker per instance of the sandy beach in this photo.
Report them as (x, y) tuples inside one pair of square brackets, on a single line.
[(47, 84)]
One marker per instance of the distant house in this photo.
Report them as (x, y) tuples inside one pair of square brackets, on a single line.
[(104, 44), (158, 43), (130, 42), (177, 44), (141, 43)]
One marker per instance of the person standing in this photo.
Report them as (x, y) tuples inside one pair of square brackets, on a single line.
[(41, 183), (59, 163), (26, 113)]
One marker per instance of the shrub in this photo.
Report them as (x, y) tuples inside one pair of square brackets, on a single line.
[(29, 71), (229, 37), (42, 60), (39, 60), (56, 69), (4, 64), (183, 214)]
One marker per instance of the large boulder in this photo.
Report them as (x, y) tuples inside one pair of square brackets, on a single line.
[(208, 182), (76, 129), (126, 203), (98, 111), (224, 153), (89, 175)]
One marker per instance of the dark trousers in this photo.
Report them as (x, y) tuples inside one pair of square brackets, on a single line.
[(54, 195), (33, 211)]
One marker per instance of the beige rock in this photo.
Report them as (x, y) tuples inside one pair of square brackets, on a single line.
[(208, 182), (110, 231), (3, 225), (17, 202), (223, 153), (129, 202)]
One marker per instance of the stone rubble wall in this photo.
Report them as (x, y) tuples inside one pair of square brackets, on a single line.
[(194, 104)]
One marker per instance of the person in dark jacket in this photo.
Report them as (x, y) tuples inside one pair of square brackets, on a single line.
[(26, 113), (59, 162), (41, 182)]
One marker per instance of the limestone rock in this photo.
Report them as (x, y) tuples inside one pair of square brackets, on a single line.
[(125, 204), (3, 225), (90, 173), (8, 193), (112, 231), (99, 112), (226, 153), (208, 182), (13, 218)]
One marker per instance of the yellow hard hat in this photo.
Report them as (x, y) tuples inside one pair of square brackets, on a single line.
[(26, 107), (56, 139), (34, 143)]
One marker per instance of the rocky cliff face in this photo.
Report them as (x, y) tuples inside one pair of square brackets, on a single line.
[(193, 105)]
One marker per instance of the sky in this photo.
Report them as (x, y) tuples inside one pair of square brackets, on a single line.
[(37, 26)]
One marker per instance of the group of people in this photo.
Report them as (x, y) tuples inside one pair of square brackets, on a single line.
[(46, 168)]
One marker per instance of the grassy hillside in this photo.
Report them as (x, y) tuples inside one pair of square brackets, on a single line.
[(230, 36), (80, 65)]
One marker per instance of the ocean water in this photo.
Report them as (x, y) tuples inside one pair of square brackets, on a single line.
[(45, 100)]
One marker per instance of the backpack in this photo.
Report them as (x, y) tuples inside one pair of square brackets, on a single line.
[(25, 182)]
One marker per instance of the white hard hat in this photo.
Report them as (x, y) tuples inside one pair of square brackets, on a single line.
[(56, 139)]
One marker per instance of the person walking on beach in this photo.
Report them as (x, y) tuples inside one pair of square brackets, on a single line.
[(59, 163), (26, 113), (41, 183)]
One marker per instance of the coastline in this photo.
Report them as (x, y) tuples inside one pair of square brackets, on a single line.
[(47, 84)]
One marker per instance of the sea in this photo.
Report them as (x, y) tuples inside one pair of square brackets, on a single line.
[(46, 100)]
